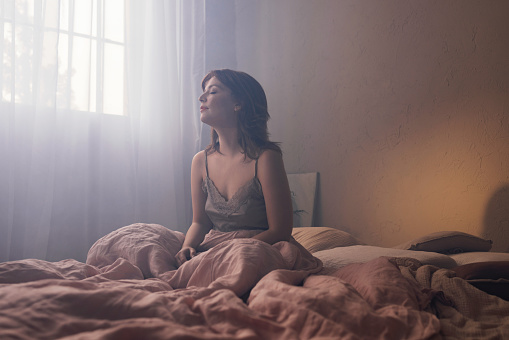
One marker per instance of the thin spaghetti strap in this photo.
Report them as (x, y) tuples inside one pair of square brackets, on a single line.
[(256, 168), (206, 164)]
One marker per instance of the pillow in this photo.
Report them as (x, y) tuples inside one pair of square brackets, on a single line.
[(476, 256), (320, 238), (339, 257), (448, 242)]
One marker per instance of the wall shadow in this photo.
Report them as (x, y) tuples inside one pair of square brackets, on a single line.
[(496, 220)]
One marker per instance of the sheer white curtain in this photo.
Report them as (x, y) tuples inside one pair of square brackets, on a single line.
[(70, 173)]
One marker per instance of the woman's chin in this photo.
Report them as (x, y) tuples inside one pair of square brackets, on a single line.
[(204, 119), (209, 120)]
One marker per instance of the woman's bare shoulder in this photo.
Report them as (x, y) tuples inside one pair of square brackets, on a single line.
[(198, 164), (199, 157), (269, 156), (270, 162)]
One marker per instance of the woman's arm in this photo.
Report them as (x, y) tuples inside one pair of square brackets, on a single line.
[(278, 202), (201, 224)]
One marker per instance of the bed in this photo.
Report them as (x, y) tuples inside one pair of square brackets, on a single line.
[(441, 286)]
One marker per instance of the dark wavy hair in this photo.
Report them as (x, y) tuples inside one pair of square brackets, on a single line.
[(252, 117)]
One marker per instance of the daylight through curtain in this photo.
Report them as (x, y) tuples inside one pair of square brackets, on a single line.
[(99, 120)]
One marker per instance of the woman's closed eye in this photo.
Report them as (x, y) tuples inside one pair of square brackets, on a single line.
[(208, 92)]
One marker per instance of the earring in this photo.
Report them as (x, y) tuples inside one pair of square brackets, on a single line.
[(237, 108)]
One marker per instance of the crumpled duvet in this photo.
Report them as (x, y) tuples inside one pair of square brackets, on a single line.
[(236, 288)]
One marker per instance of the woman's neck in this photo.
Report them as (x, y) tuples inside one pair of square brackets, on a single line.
[(228, 142)]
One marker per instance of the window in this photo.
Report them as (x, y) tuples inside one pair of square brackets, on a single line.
[(81, 43)]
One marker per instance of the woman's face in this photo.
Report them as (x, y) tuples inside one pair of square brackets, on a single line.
[(217, 105)]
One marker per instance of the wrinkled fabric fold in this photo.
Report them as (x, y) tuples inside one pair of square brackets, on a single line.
[(229, 260), (237, 287)]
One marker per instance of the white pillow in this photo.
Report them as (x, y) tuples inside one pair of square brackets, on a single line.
[(476, 256), (339, 257), (320, 238)]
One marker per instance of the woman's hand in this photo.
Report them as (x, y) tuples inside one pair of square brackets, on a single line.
[(185, 254)]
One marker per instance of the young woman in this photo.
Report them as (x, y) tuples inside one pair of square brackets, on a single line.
[(242, 209), (239, 181)]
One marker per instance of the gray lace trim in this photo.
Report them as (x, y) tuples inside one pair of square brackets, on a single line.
[(231, 206)]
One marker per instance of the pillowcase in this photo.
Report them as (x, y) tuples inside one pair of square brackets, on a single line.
[(320, 238), (448, 242), (339, 257), (477, 256)]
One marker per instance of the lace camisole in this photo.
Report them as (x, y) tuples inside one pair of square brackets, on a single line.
[(245, 210)]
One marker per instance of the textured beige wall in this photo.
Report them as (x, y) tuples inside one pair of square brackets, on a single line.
[(401, 106)]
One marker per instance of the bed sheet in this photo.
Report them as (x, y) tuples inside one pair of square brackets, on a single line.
[(238, 289)]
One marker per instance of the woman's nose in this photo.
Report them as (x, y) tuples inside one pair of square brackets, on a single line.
[(202, 98)]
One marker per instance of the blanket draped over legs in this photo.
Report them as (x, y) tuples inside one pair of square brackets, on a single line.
[(235, 288)]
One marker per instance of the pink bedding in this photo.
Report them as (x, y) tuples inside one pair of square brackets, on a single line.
[(240, 288)]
